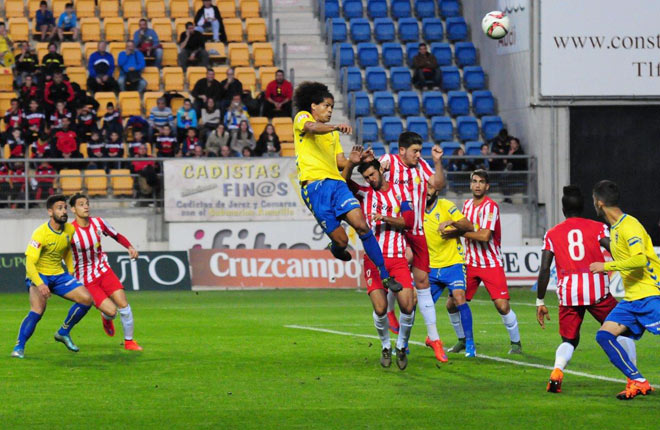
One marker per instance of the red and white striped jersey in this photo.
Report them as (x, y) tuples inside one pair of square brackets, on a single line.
[(486, 215), (412, 184), (89, 259), (576, 244)]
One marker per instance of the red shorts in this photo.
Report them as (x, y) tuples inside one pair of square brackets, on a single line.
[(398, 268), (103, 287), (571, 317), (492, 277), (420, 252)]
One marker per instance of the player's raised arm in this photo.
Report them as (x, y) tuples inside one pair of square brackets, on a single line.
[(350, 162), (438, 180), (543, 280)]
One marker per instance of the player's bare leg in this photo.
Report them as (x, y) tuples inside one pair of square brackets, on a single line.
[(37, 308), (511, 323), (108, 314), (126, 316), (83, 302)]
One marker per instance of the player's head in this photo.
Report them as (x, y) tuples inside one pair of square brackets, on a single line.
[(79, 205), (479, 184), (372, 173), (572, 202), (606, 195), (410, 148), (315, 98), (56, 205)]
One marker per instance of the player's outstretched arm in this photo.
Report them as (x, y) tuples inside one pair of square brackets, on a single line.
[(542, 287), (321, 128)]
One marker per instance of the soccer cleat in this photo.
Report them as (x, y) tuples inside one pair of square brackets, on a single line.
[(438, 350), (18, 352), (386, 357), (516, 348), (66, 340), (470, 350), (460, 346), (132, 345), (339, 253), (634, 388), (401, 358), (394, 323), (392, 284), (554, 384), (108, 326)]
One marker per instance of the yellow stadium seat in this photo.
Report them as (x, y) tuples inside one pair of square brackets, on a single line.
[(180, 26), (71, 181), (114, 29), (247, 76), (78, 75), (33, 7), (115, 48), (177, 102), (239, 54), (250, 9), (284, 129), (287, 149), (96, 182), (152, 76), (5, 100), (155, 9), (227, 8), (72, 53), (108, 8), (6, 82), (258, 124), (150, 100), (170, 54), (163, 28), (173, 78), (58, 8), (194, 74), (266, 76), (89, 48), (90, 29), (85, 8), (233, 29), (122, 182), (83, 150), (42, 49), (220, 73), (14, 9), (263, 54), (132, 8), (256, 29), (130, 103), (217, 46), (103, 98), (179, 9), (19, 29), (133, 25)]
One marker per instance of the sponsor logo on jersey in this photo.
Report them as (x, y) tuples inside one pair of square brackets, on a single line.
[(35, 244)]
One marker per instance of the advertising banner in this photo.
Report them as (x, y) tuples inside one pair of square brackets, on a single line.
[(517, 39)]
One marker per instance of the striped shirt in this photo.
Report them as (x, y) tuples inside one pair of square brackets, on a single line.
[(160, 118), (89, 259), (486, 215)]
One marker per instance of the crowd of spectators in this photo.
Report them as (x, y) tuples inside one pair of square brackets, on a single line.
[(502, 145)]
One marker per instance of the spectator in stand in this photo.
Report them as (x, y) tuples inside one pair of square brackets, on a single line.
[(192, 48), (247, 152), (45, 22), (66, 141), (86, 122), (146, 41), (52, 62), (516, 149), (14, 116), (186, 118), (26, 63), (58, 90), (230, 88), (160, 116), (114, 149), (112, 121), (28, 92), (209, 120), (18, 183), (55, 119), (136, 142), (277, 97), (5, 186), (35, 117), (459, 165), (45, 176), (100, 68), (166, 143), (208, 16), (205, 89), (268, 144), (131, 64), (198, 152), (499, 146), (6, 48), (226, 152), (16, 143), (67, 22), (235, 114), (243, 138), (148, 184), (37, 142), (190, 143), (216, 140), (426, 73), (484, 163), (96, 149)]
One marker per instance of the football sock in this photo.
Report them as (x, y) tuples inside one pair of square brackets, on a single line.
[(126, 316), (76, 313), (27, 328), (406, 322), (426, 305), (511, 323), (466, 320), (391, 301), (107, 317), (455, 320), (382, 327), (374, 253), (617, 355), (563, 355), (629, 345)]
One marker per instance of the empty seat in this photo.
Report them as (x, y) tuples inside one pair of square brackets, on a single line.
[(239, 54), (378, 148), (491, 126), (170, 54), (474, 78), (360, 30), (194, 74), (376, 79), (433, 103), (113, 28), (346, 54), (284, 129), (173, 78), (262, 52), (90, 29), (108, 8), (96, 182), (432, 29), (391, 127), (150, 100), (250, 9), (400, 9), (352, 9), (152, 76), (473, 147), (368, 129), (408, 103), (359, 103), (383, 103), (412, 49), (78, 75), (338, 28), (458, 103), (233, 29), (483, 103), (384, 30), (19, 29), (85, 8), (394, 147), (162, 27), (33, 7), (419, 125), (408, 30), (226, 8), (376, 9), (122, 182), (367, 54), (353, 78), (6, 80), (450, 148), (466, 53), (5, 98), (179, 9), (331, 8), (266, 76), (456, 29), (247, 76), (449, 8), (221, 73), (425, 8), (71, 53), (467, 128), (427, 149), (442, 128), (216, 51), (442, 53), (451, 78), (71, 181), (288, 149), (132, 8), (255, 29), (258, 124), (400, 79), (15, 9), (392, 54), (134, 25), (58, 8)]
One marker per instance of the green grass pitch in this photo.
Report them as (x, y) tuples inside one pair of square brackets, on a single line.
[(220, 360)]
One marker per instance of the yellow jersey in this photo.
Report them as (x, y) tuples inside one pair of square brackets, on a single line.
[(442, 252), (629, 238), (46, 250), (316, 154)]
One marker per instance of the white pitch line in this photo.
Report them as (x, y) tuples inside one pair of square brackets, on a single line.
[(487, 357)]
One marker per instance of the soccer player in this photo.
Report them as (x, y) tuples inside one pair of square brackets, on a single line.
[(638, 264), (574, 244), (47, 249), (92, 268), (319, 157), (483, 255)]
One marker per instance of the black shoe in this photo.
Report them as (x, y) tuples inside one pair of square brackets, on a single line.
[(386, 357), (401, 358), (392, 284), (340, 254)]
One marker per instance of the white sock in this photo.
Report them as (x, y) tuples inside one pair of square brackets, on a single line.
[(426, 305), (511, 323), (391, 301), (455, 320), (108, 317), (126, 316), (406, 322), (563, 355), (629, 346), (382, 327)]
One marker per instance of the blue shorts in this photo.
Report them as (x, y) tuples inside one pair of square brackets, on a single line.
[(329, 199), (452, 277), (58, 284), (638, 315)]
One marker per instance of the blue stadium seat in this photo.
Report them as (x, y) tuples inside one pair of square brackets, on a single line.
[(427, 149), (383, 103), (360, 30), (400, 79), (377, 9), (490, 126), (450, 147), (391, 127), (359, 101), (467, 128), (408, 30), (368, 128), (394, 147), (425, 8), (433, 103), (378, 148), (442, 128), (474, 78), (458, 103), (400, 9), (442, 52), (352, 9), (408, 103), (339, 32), (419, 125), (449, 8), (412, 49), (451, 78), (466, 54), (456, 29), (392, 54), (367, 54), (473, 148), (376, 79), (432, 29), (331, 9), (346, 54), (384, 30), (354, 78), (483, 103)]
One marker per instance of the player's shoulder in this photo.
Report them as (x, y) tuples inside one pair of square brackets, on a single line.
[(302, 115), (447, 205), (491, 202), (69, 228), (41, 229)]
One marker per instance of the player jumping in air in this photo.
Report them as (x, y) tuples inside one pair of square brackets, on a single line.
[(639, 266), (92, 268), (319, 157), (574, 244), (48, 247)]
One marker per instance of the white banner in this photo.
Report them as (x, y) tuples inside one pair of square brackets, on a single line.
[(599, 48), (517, 39), (237, 189)]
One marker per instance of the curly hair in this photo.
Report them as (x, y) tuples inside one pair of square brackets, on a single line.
[(309, 93)]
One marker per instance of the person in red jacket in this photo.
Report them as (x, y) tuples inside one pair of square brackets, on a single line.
[(66, 140), (278, 96), (14, 116)]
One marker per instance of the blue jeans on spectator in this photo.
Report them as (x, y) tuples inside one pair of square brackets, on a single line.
[(142, 85), (215, 26)]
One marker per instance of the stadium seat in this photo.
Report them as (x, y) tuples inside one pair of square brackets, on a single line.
[(376, 79), (42, 49), (226, 8), (383, 103), (451, 78), (131, 8), (352, 9), (287, 149), (150, 100), (400, 9), (450, 147), (427, 149), (233, 29), (284, 129), (400, 79), (425, 8), (194, 74), (391, 127), (483, 103), (219, 49), (467, 128), (5, 99), (6, 81), (384, 30), (85, 9), (180, 27), (473, 147), (19, 29), (221, 73), (412, 49), (367, 54), (258, 124), (152, 76), (392, 54), (90, 29), (170, 54), (419, 125), (442, 53), (456, 29), (331, 8), (360, 30), (433, 103), (103, 98), (82, 149), (432, 29), (133, 26), (58, 7), (376, 9), (262, 53), (474, 78), (71, 181), (33, 6), (78, 75), (378, 148), (354, 81), (442, 128), (179, 9), (177, 102), (339, 32), (491, 126), (466, 53), (248, 77), (250, 9), (239, 54), (408, 103), (108, 9), (71, 53), (122, 182), (266, 75), (408, 30), (359, 102), (368, 129), (458, 103), (162, 27), (113, 28), (394, 147), (114, 49), (173, 78), (346, 54), (449, 8), (96, 182), (14, 9), (256, 30)]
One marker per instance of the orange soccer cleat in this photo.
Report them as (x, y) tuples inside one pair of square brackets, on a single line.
[(108, 326), (634, 388), (438, 349), (132, 345), (554, 384)]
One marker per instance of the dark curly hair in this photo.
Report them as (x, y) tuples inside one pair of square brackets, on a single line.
[(309, 93)]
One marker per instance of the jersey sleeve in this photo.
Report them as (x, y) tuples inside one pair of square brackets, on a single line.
[(107, 229), (337, 143), (32, 253), (547, 243), (489, 217), (302, 118), (454, 213), (633, 234), (603, 232)]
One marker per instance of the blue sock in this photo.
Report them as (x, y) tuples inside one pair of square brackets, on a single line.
[(76, 313), (374, 253), (27, 328), (617, 354), (466, 320)]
